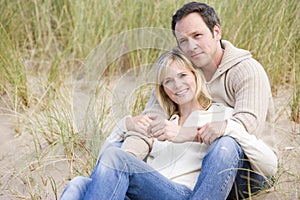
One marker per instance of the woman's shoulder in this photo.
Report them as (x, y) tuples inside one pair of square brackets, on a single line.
[(217, 111)]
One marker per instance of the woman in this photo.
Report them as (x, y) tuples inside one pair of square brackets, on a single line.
[(172, 168)]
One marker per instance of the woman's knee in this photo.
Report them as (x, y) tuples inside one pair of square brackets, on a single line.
[(227, 147), (113, 157)]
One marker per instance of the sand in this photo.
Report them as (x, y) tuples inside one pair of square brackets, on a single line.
[(22, 178)]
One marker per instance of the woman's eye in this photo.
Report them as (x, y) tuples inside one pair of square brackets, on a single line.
[(183, 75)]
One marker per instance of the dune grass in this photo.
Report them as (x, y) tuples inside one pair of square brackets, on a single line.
[(44, 44)]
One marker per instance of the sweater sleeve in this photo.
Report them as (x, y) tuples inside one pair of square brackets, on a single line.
[(252, 95), (119, 131), (261, 157)]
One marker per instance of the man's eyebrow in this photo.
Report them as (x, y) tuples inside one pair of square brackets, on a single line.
[(192, 33)]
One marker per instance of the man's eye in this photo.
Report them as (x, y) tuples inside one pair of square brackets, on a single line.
[(165, 82), (182, 41), (198, 35)]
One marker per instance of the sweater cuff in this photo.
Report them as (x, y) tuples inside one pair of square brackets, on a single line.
[(119, 131), (231, 127), (122, 124)]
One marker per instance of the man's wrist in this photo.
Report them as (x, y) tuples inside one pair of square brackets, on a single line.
[(223, 128)]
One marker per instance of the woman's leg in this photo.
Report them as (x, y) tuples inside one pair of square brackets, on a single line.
[(119, 174), (76, 188), (219, 169)]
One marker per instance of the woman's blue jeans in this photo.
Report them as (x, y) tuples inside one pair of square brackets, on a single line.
[(225, 174)]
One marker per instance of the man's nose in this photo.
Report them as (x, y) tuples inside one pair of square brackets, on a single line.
[(192, 44)]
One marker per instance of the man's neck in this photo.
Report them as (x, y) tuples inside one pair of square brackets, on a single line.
[(210, 70)]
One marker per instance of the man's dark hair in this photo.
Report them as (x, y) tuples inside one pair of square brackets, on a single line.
[(207, 13)]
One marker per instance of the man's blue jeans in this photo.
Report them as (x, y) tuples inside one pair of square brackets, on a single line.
[(224, 174)]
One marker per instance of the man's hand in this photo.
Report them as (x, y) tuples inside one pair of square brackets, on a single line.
[(138, 123), (211, 131)]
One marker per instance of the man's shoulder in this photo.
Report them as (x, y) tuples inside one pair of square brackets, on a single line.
[(234, 56), (246, 67)]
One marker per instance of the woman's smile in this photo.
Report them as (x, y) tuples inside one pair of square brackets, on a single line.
[(182, 92)]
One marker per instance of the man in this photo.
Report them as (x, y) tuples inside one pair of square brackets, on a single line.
[(233, 78)]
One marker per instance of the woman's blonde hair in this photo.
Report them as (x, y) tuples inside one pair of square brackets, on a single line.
[(164, 61)]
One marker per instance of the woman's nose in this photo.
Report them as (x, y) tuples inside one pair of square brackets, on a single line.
[(177, 83)]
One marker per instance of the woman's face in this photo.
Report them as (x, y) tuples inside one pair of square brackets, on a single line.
[(179, 84)]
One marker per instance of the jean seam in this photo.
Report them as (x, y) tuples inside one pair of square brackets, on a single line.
[(170, 186), (118, 184), (224, 185)]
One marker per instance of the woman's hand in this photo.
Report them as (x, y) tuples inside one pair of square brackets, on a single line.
[(165, 130), (138, 123)]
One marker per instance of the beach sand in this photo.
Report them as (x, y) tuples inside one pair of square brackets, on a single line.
[(22, 177)]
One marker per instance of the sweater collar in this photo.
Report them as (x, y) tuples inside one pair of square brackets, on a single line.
[(232, 56)]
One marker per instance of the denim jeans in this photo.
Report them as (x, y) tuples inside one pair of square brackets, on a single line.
[(224, 174)]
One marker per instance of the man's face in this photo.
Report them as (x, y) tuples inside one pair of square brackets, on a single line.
[(197, 42)]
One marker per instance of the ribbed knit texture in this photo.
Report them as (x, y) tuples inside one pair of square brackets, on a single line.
[(241, 83)]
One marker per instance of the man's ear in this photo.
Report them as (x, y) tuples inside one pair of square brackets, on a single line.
[(217, 32)]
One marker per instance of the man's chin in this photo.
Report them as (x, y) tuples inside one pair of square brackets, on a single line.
[(198, 65)]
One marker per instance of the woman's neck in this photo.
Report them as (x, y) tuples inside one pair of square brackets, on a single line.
[(186, 110)]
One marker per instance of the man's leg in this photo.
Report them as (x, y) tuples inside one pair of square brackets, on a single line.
[(248, 183), (219, 168), (119, 174)]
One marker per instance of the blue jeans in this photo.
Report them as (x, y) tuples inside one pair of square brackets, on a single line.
[(119, 175)]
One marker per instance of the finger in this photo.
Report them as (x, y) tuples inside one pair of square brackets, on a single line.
[(211, 140), (147, 118), (158, 133), (144, 122), (155, 126), (203, 133), (142, 130), (162, 137), (154, 130), (157, 129), (198, 135), (152, 117)]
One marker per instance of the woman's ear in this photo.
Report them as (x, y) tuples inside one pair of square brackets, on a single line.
[(217, 32)]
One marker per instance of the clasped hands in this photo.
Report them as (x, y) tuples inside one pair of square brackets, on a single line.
[(165, 130)]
